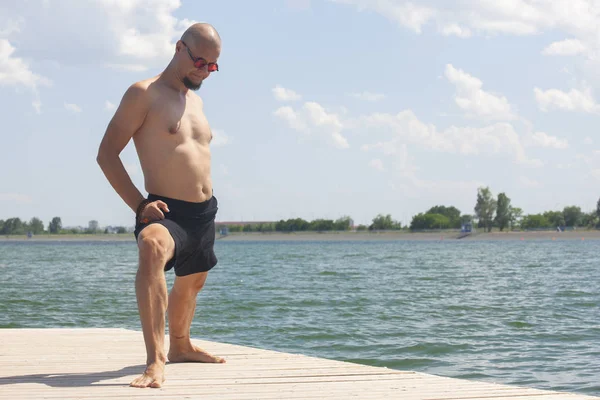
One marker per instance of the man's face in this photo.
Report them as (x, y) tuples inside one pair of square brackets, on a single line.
[(199, 64)]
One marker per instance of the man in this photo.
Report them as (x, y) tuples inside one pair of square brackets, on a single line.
[(175, 224)]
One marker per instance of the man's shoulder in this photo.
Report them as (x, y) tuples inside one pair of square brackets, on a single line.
[(141, 87), (140, 92)]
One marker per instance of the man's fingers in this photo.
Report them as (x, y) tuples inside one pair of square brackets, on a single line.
[(155, 214), (162, 205)]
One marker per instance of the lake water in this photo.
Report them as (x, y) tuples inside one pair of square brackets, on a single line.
[(519, 313)]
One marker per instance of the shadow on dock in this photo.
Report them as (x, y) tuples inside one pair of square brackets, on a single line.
[(75, 379)]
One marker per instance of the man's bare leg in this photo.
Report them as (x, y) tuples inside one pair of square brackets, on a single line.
[(156, 247), (182, 305)]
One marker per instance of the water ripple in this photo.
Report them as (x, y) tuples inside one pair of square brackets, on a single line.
[(510, 312)]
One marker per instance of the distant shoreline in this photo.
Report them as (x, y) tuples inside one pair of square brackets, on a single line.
[(334, 236), (417, 236)]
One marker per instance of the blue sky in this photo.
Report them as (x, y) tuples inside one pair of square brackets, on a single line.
[(320, 109)]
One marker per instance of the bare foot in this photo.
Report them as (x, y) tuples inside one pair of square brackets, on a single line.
[(153, 376), (191, 353)]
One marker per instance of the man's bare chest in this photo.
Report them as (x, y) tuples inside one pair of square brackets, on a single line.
[(176, 123)]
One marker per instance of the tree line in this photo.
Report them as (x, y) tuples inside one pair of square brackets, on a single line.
[(345, 223), (498, 212), (489, 212), (35, 226)]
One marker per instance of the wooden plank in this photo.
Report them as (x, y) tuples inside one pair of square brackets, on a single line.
[(99, 363)]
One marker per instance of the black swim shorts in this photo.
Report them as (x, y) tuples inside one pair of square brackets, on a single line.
[(192, 226)]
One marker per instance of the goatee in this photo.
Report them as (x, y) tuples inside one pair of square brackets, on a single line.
[(191, 85)]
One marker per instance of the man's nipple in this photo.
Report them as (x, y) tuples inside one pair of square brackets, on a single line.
[(173, 129)]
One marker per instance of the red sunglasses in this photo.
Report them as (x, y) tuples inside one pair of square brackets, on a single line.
[(200, 62)]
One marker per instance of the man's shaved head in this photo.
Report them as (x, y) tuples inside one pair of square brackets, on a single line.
[(201, 34), (198, 50)]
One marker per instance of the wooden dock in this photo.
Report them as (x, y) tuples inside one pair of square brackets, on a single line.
[(100, 363)]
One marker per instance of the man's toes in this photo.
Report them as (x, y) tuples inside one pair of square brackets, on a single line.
[(145, 381)]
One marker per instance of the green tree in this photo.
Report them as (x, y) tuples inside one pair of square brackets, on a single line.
[(55, 226), (265, 227), (384, 222), (321, 225), (13, 226), (361, 227), (598, 208), (554, 218), (535, 221), (343, 224), (235, 228), (485, 207), (92, 227), (573, 215), (36, 226), (589, 220), (503, 210), (429, 221), (451, 212), (516, 214), (292, 225)]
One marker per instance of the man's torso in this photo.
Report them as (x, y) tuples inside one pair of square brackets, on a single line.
[(173, 145)]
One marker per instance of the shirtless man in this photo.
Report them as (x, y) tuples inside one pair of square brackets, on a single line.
[(175, 224)]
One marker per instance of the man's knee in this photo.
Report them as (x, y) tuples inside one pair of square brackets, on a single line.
[(198, 282), (155, 244), (191, 284)]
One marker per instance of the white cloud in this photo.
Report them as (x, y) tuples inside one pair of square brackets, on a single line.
[(220, 138), (457, 30), (574, 100), (135, 34), (576, 18), (518, 17), (500, 138), (292, 118), (529, 183), (37, 105), (15, 197), (588, 140), (73, 107), (474, 100), (10, 26), (16, 72), (143, 29), (568, 47), (298, 4), (542, 139), (313, 118), (591, 162), (406, 14), (283, 94), (565, 165), (377, 164), (109, 106), (368, 96)]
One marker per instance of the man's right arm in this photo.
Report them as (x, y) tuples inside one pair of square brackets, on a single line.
[(128, 118)]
